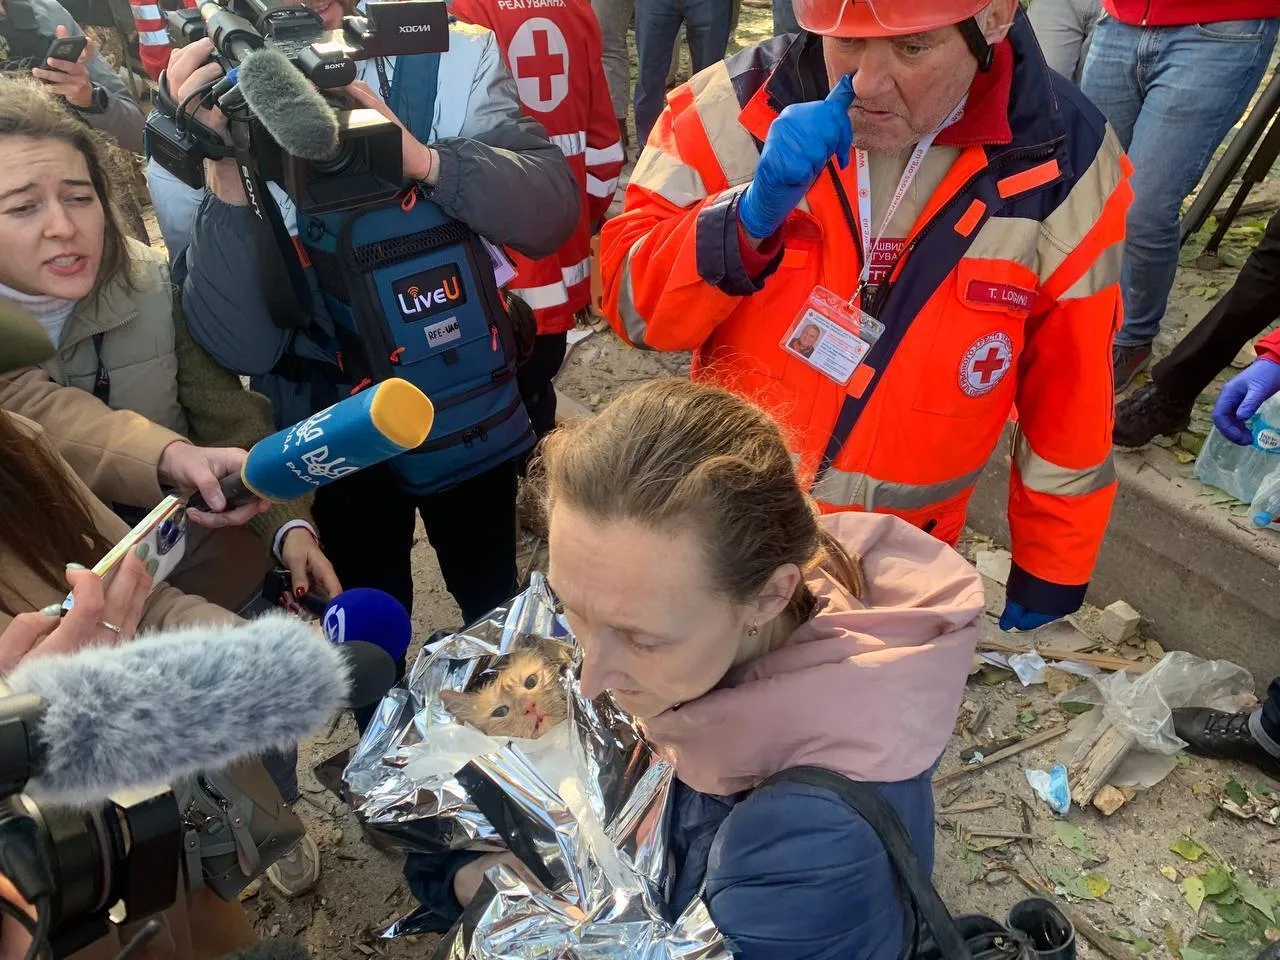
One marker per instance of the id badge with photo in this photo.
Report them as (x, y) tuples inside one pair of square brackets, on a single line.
[(832, 335)]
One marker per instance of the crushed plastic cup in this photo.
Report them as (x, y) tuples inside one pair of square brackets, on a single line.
[(1052, 788)]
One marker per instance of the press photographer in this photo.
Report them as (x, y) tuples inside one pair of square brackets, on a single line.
[(41, 38), (472, 166)]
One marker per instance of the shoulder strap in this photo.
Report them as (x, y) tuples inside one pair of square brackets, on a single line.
[(871, 805), (102, 382), (421, 75)]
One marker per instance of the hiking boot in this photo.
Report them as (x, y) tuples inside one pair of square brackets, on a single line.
[(1150, 412), (298, 870), (1128, 362), (1225, 736)]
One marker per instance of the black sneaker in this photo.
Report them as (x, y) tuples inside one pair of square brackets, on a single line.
[(1150, 412), (1224, 736), (1127, 363)]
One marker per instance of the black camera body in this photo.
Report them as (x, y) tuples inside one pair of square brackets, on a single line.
[(368, 165), (118, 862)]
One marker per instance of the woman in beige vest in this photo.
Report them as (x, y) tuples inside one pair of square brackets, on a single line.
[(110, 309)]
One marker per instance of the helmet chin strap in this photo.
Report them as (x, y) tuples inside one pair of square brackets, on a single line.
[(982, 51)]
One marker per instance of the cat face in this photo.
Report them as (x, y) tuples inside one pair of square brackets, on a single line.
[(524, 699)]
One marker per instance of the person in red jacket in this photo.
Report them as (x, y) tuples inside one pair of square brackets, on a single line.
[(1172, 77), (552, 48)]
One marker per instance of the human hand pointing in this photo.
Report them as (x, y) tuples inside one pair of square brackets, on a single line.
[(799, 144)]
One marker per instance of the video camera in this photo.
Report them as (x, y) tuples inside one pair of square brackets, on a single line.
[(367, 164), (82, 870)]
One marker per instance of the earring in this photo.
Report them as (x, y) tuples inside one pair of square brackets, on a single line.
[(754, 631)]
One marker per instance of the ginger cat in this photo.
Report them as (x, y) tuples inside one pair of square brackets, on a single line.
[(524, 699)]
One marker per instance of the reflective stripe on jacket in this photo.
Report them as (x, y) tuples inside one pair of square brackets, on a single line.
[(553, 51), (1006, 295)]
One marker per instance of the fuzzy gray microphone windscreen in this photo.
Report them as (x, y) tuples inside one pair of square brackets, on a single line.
[(288, 106), (178, 702)]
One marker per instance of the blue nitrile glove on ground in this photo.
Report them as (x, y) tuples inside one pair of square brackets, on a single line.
[(1018, 617), (798, 146), (1241, 398)]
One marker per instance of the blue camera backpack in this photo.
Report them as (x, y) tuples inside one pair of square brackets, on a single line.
[(412, 294)]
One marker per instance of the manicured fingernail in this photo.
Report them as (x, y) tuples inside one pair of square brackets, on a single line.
[(52, 610), (142, 551), (299, 591), (75, 566), (152, 567)]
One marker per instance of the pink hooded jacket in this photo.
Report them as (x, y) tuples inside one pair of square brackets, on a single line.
[(869, 688)]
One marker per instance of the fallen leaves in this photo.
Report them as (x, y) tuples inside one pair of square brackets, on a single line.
[(1067, 882), (1254, 896), (1187, 849), (1258, 804), (1237, 793), (1169, 873), (1193, 892), (1073, 838)]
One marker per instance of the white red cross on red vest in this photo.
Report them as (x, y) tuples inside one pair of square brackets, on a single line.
[(539, 59)]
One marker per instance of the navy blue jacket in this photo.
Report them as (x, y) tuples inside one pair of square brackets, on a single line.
[(789, 872)]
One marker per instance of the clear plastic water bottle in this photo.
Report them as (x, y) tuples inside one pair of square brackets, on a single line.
[(1266, 505), (1242, 471)]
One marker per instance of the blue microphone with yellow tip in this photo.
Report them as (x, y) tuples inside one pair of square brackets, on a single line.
[(360, 431)]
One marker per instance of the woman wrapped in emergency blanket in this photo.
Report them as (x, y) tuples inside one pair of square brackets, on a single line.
[(580, 774)]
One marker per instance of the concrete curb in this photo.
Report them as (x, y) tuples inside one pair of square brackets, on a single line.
[(1207, 582)]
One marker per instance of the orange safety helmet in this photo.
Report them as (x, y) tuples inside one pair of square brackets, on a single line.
[(882, 18)]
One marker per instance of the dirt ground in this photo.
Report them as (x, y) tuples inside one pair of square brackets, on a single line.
[(1143, 908)]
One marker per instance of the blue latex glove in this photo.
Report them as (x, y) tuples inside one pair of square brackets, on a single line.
[(1018, 617), (798, 146), (1241, 398)]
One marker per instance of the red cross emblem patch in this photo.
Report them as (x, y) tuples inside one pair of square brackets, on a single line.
[(539, 59), (985, 364)]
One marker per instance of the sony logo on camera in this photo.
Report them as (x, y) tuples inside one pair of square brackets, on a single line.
[(430, 292)]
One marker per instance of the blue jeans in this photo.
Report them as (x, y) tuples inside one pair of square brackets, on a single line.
[(657, 25), (1172, 94), (784, 18)]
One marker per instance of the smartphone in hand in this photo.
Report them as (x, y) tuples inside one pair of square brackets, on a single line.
[(163, 530), (66, 49)]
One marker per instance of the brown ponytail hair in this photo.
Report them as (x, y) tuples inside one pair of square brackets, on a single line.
[(44, 519), (674, 454)]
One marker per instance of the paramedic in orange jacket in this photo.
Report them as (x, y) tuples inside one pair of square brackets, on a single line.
[(552, 49), (992, 195)]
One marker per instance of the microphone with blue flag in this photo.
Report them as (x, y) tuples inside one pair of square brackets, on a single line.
[(363, 430)]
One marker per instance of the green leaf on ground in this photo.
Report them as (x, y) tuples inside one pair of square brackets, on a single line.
[(1096, 884), (1075, 707), (1255, 896), (1187, 849), (1143, 945), (1183, 456), (1261, 789), (1073, 884), (974, 860), (992, 676), (1073, 838), (1216, 881), (1238, 794), (1191, 953), (1183, 760), (1027, 716), (1172, 942), (1169, 873), (1193, 892), (1236, 912)]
